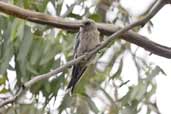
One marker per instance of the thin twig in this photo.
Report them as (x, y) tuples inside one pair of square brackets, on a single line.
[(70, 8), (53, 72), (102, 45), (12, 99)]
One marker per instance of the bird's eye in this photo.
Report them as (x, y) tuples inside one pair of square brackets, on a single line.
[(87, 23)]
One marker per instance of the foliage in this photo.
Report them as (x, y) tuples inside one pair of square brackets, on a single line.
[(29, 49)]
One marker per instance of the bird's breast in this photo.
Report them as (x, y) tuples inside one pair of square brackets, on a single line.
[(89, 40)]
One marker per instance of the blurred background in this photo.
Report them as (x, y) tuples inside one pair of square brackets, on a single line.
[(124, 79)]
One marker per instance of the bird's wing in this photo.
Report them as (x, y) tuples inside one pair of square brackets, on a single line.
[(77, 72), (78, 69), (76, 44)]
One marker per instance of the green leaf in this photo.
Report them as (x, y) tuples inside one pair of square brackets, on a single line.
[(40, 5), (74, 16), (36, 50), (125, 99), (82, 106), (152, 91), (161, 70), (3, 79), (66, 102), (11, 68), (4, 63), (153, 107), (51, 48), (154, 72), (119, 70), (96, 17), (4, 90), (47, 89), (91, 104), (31, 69), (25, 44), (36, 87), (107, 96), (3, 24), (43, 5), (128, 110), (138, 91), (7, 50), (59, 7), (57, 83)]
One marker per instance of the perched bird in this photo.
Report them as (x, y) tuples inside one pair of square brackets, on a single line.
[(87, 40)]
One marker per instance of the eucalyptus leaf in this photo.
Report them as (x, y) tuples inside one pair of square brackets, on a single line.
[(91, 104), (7, 50), (25, 44), (67, 101), (128, 110)]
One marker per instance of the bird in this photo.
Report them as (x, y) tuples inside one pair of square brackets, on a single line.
[(87, 39)]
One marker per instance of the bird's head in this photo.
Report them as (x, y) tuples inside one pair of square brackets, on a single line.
[(88, 25)]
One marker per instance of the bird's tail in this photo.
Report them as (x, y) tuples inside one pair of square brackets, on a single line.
[(76, 75)]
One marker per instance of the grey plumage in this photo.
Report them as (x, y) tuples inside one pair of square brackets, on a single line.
[(87, 40)]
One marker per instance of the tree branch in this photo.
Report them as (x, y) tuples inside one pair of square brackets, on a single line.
[(106, 29), (102, 45), (12, 99)]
